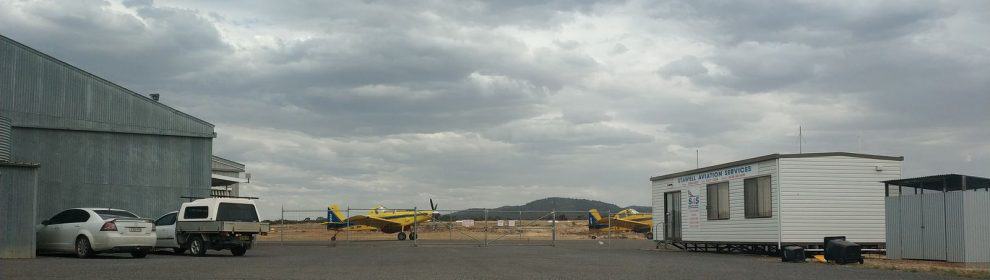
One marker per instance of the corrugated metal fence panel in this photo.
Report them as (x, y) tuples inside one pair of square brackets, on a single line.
[(955, 228), (143, 173), (18, 204), (892, 208), (4, 139), (933, 209), (977, 225), (912, 235), (40, 91)]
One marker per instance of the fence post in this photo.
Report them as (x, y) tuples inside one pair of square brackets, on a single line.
[(415, 229), (518, 227), (486, 227), (553, 220), (608, 233), (347, 224), (281, 233)]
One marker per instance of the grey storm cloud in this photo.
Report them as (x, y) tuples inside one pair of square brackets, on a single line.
[(485, 103)]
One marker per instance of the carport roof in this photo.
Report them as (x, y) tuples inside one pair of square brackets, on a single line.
[(945, 182)]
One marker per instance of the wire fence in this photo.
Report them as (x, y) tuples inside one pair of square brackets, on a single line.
[(446, 227)]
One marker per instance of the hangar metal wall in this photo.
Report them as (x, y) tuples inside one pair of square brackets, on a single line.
[(146, 174), (18, 203), (98, 144)]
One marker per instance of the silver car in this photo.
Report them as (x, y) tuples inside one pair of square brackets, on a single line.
[(89, 231)]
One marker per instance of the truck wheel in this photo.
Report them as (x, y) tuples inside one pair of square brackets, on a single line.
[(197, 247), (238, 250), (83, 249), (402, 235)]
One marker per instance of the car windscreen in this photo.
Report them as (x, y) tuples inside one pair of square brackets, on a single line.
[(114, 214), (236, 212)]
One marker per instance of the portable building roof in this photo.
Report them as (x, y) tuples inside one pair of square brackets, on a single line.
[(771, 157)]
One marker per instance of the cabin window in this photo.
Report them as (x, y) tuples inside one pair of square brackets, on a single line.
[(196, 212), (718, 201), (758, 196)]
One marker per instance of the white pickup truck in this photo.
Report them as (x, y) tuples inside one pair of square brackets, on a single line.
[(218, 223)]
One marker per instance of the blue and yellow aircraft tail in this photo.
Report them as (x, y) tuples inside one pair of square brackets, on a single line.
[(595, 220), (335, 220)]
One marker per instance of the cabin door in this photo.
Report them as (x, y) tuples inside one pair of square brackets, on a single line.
[(672, 216)]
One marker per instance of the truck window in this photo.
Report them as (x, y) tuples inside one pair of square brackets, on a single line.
[(113, 214), (236, 212), (196, 212)]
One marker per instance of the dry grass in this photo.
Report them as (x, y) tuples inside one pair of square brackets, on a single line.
[(939, 267)]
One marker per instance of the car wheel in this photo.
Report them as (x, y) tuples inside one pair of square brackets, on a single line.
[(139, 254), (197, 247), (402, 235), (83, 249), (178, 251), (238, 251)]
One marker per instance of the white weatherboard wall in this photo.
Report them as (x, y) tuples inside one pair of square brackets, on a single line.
[(812, 197), (735, 229), (831, 196)]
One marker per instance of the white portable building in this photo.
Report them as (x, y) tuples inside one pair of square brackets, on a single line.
[(756, 205)]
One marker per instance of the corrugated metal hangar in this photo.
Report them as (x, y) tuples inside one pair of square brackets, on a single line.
[(760, 203), (72, 139)]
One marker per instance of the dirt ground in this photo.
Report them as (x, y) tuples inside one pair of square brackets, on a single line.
[(523, 230), (953, 269)]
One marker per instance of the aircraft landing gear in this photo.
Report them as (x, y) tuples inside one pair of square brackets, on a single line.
[(402, 235), (649, 235)]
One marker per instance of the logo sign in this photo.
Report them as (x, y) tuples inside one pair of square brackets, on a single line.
[(717, 175)]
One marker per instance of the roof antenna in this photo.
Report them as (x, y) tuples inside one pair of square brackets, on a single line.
[(697, 158)]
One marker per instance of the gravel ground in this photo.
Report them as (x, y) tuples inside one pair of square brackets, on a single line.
[(624, 259)]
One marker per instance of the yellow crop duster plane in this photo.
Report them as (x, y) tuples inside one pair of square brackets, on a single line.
[(385, 220), (627, 219)]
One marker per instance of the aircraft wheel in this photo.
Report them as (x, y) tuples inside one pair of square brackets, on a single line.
[(402, 235), (412, 236), (594, 237), (649, 235), (333, 238)]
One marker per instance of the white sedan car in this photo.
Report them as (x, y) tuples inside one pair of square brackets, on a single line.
[(88, 231)]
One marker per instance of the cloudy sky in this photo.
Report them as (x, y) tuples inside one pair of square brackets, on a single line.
[(483, 104)]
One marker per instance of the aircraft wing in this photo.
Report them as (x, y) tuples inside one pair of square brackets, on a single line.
[(372, 221), (629, 224)]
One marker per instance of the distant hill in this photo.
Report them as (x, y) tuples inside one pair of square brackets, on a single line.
[(568, 208)]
